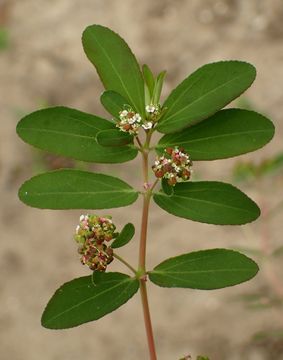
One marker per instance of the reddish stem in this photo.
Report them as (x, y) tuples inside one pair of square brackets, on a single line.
[(142, 255), (147, 321)]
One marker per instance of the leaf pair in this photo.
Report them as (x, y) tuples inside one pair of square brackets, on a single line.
[(210, 202), (206, 201), (90, 298), (153, 87)]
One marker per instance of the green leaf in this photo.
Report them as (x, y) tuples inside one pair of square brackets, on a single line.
[(149, 79), (125, 236), (202, 357), (116, 65), (75, 189), (71, 133), (80, 300), (205, 270), (166, 188), (113, 137), (227, 133), (158, 87), (210, 202), (113, 102), (204, 92)]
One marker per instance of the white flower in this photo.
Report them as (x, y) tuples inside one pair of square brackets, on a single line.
[(124, 113), (137, 117), (82, 217), (131, 120), (150, 109), (147, 125)]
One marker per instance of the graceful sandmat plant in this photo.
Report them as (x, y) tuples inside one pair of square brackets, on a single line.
[(193, 128)]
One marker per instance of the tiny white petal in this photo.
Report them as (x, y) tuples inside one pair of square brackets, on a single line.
[(150, 108), (147, 125)]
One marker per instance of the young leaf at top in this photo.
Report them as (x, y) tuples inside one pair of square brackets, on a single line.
[(209, 202), (226, 134), (116, 65), (71, 133), (82, 300), (124, 237), (204, 92), (75, 189), (158, 87), (205, 270), (149, 79), (113, 103), (113, 137)]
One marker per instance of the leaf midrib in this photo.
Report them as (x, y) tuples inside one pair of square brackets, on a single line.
[(60, 133), (204, 201), (116, 72), (165, 273), (90, 299), (212, 137), (80, 192), (99, 179), (174, 115)]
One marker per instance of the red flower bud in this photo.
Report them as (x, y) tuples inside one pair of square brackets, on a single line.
[(169, 150), (127, 127), (159, 173)]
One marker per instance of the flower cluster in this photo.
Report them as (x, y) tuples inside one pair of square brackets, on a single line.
[(91, 234), (131, 121), (153, 113), (175, 165)]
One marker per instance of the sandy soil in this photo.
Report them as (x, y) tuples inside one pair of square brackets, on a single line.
[(44, 65)]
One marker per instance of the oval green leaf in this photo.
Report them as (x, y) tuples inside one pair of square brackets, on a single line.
[(204, 92), (72, 133), (81, 300), (124, 237), (209, 202), (75, 189), (113, 102), (113, 137), (226, 134), (205, 270), (115, 63)]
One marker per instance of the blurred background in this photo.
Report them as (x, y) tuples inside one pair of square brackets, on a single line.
[(42, 64)]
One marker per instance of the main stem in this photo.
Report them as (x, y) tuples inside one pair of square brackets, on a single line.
[(142, 254)]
